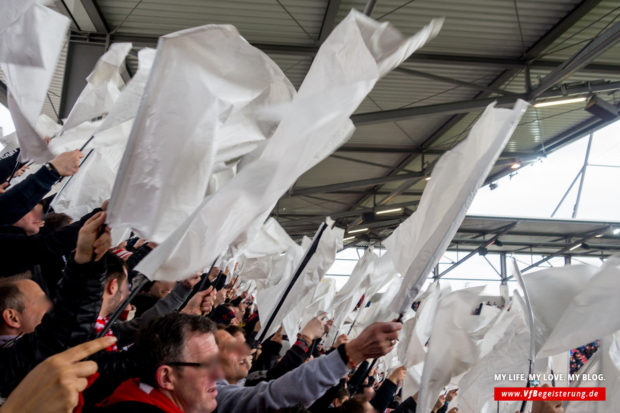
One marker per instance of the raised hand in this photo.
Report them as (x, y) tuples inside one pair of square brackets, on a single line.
[(92, 243), (53, 385), (67, 163)]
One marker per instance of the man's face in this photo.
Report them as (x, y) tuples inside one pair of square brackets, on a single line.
[(36, 304), (160, 289), (233, 353), (121, 293), (194, 387), (32, 222)]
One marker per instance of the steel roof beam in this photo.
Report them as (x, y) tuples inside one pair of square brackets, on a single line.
[(595, 48), (362, 161), (573, 133), (466, 106), (352, 184), (418, 57), (453, 81), (329, 19), (532, 53), (565, 249), (95, 16), (360, 192), (481, 246)]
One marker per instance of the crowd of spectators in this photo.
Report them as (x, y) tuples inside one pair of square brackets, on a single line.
[(580, 355), (188, 346)]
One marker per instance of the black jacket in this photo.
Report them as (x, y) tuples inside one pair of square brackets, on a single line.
[(8, 164), (18, 200), (21, 252), (71, 322), (384, 395), (293, 358)]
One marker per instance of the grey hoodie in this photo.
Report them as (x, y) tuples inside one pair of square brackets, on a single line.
[(305, 384)]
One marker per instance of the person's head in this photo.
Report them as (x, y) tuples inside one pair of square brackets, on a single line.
[(233, 356), (355, 405), (237, 332), (342, 394), (369, 392), (181, 360), (22, 305), (56, 220), (116, 287), (32, 222), (160, 289), (223, 314)]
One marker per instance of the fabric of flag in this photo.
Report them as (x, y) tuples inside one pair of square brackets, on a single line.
[(418, 243), (316, 122), (30, 44), (201, 79)]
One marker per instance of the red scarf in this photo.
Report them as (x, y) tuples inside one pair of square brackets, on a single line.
[(100, 325), (130, 390)]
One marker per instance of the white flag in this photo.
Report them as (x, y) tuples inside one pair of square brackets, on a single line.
[(102, 89), (200, 78), (418, 243), (351, 60), (40, 33), (451, 350), (323, 258), (597, 297), (504, 350), (551, 292), (414, 351), (93, 182), (126, 106), (351, 293)]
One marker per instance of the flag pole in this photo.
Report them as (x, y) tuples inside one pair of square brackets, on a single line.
[(297, 274), (530, 321)]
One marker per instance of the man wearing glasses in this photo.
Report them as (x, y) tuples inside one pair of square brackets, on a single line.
[(183, 365), (181, 370)]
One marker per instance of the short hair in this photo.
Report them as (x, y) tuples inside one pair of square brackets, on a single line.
[(115, 267), (232, 330), (162, 341), (353, 405), (57, 220), (10, 295), (341, 391)]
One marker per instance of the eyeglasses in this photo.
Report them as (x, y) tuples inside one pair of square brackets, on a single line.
[(209, 365)]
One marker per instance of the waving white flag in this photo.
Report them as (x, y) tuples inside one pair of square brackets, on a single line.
[(92, 184), (31, 43), (418, 243), (103, 87), (351, 293), (451, 350), (551, 292), (200, 78), (351, 60), (596, 297)]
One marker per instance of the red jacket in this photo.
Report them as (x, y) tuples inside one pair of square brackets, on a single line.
[(130, 390)]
